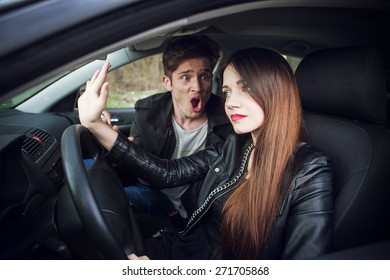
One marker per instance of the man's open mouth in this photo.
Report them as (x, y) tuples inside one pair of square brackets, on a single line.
[(196, 104)]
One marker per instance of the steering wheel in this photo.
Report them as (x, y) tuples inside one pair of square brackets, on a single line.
[(98, 198)]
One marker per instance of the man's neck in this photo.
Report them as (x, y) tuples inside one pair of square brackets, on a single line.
[(190, 123)]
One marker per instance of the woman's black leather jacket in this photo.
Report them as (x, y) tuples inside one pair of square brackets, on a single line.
[(304, 222)]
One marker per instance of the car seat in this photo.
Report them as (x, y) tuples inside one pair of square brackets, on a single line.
[(344, 104)]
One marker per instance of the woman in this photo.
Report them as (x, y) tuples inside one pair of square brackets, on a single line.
[(264, 194)]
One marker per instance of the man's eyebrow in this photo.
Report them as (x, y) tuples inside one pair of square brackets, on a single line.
[(193, 71), (186, 71)]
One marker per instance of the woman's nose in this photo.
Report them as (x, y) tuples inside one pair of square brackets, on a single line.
[(233, 101)]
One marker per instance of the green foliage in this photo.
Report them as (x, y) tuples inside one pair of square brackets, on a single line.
[(135, 81)]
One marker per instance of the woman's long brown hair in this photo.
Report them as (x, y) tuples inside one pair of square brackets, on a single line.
[(249, 213)]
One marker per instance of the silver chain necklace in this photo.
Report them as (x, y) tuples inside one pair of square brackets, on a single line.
[(213, 194)]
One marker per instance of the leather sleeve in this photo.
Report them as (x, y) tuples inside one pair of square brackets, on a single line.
[(159, 172), (310, 220)]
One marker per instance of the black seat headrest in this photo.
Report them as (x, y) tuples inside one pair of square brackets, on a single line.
[(344, 82)]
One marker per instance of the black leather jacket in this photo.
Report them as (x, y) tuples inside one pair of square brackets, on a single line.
[(153, 131), (304, 223)]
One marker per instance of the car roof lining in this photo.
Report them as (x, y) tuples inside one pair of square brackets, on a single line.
[(278, 27), (216, 22)]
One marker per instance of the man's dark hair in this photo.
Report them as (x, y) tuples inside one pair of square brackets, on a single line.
[(181, 48)]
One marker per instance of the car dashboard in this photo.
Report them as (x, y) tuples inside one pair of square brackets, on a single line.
[(31, 176)]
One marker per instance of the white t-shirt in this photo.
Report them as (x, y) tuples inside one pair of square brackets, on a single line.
[(187, 143)]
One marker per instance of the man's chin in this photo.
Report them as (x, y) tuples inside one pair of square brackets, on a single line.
[(196, 114)]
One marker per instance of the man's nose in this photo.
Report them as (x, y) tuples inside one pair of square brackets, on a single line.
[(196, 84)]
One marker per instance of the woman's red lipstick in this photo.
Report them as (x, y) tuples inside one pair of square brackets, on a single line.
[(236, 117)]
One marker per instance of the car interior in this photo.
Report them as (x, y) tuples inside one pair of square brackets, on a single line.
[(52, 207), (344, 117)]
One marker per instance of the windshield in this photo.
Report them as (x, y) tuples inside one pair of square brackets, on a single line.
[(24, 95)]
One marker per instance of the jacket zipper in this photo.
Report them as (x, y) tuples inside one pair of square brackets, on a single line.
[(218, 192)]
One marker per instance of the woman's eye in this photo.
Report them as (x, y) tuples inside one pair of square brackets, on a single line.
[(246, 89), (226, 94)]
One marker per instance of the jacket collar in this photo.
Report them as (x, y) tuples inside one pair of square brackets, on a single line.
[(161, 111), (216, 112)]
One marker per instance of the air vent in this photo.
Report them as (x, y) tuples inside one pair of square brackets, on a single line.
[(37, 141)]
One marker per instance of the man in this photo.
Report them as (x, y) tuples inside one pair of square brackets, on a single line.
[(179, 122)]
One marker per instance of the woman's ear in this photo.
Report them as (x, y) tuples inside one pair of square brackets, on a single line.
[(167, 83)]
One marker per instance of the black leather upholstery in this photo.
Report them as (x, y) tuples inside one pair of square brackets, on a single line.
[(344, 101)]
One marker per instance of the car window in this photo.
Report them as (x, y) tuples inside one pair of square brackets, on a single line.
[(134, 81), (28, 93), (293, 61), (143, 78)]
